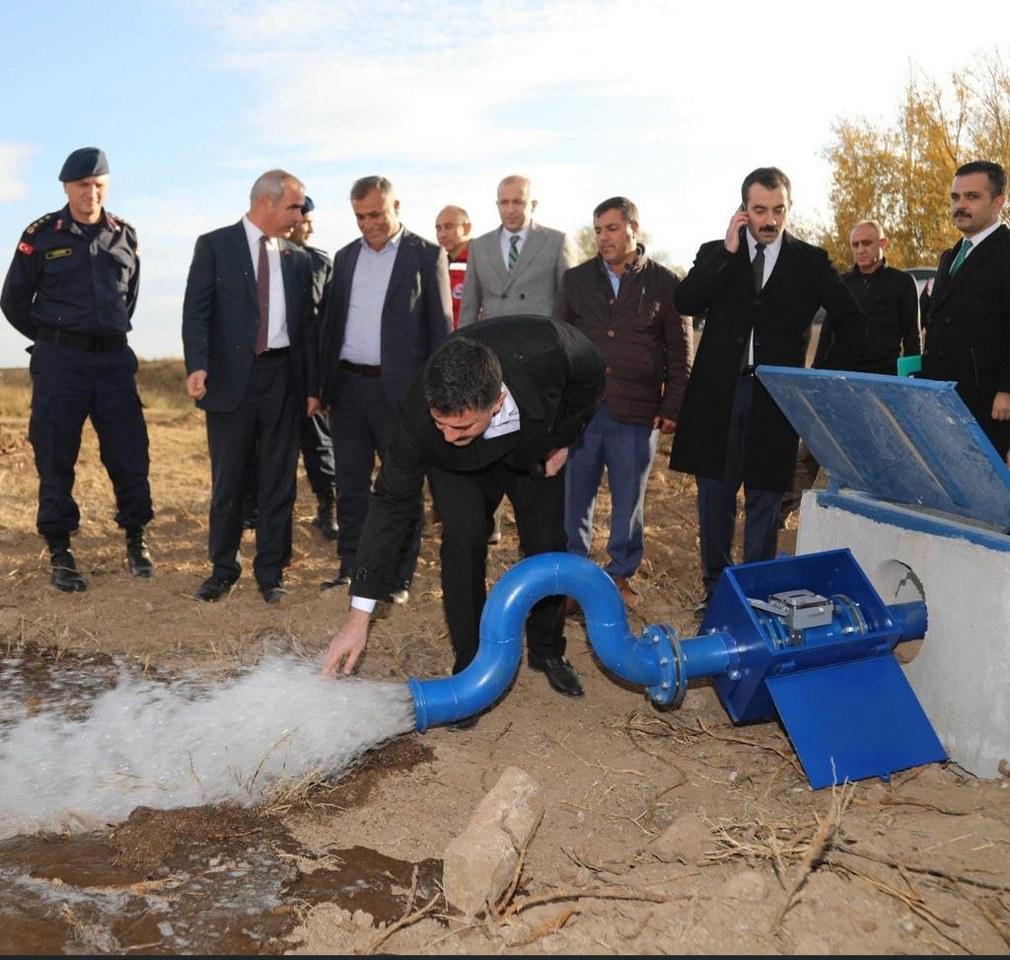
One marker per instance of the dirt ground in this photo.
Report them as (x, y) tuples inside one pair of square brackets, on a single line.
[(666, 832)]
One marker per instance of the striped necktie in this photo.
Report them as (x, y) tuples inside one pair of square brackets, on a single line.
[(513, 250), (962, 255)]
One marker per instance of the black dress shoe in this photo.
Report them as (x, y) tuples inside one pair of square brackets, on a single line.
[(273, 594), (401, 594), (138, 556), (325, 520), (65, 576), (213, 588), (560, 673), (343, 580)]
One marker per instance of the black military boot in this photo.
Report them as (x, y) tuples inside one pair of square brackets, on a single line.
[(325, 520), (65, 576), (138, 557)]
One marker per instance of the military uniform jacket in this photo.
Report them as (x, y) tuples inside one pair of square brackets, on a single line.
[(74, 278), (968, 329), (555, 376), (722, 284)]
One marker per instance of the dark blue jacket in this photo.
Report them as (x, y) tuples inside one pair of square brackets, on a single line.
[(71, 277)]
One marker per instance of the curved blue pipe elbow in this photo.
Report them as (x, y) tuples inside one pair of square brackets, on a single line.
[(639, 661)]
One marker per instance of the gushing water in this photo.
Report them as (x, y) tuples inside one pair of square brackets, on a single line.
[(147, 743)]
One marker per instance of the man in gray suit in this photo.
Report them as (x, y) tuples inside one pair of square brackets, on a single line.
[(514, 270), (248, 332), (517, 268)]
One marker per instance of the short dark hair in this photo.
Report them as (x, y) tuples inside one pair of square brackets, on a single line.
[(628, 210), (771, 178), (362, 187), (994, 171), (462, 374)]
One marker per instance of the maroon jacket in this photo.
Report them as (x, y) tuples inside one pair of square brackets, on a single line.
[(646, 344)]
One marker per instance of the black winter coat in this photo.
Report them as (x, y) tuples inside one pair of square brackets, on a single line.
[(721, 285)]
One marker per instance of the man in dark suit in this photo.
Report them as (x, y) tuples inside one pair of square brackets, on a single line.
[(492, 415), (760, 287), (387, 309), (316, 443), (968, 324), (248, 332)]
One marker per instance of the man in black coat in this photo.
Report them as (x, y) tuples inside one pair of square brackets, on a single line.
[(887, 297), (388, 308), (492, 414), (760, 288), (968, 324), (248, 331)]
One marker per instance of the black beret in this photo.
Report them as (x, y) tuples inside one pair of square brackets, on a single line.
[(84, 162), (308, 206)]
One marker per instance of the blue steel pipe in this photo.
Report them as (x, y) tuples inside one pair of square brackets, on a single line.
[(647, 661)]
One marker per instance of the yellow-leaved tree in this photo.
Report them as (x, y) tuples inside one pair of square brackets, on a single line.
[(901, 174)]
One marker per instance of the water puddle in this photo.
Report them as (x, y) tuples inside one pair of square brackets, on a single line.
[(85, 741), (203, 880)]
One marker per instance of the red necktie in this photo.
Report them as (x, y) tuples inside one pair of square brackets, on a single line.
[(263, 294)]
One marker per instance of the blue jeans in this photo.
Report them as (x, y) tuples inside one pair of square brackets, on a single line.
[(626, 450)]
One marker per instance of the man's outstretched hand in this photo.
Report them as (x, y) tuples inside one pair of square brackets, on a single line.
[(347, 644)]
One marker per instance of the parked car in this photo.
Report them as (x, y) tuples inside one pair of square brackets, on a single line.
[(923, 277)]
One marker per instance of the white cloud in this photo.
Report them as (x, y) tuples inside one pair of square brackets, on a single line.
[(669, 103), (12, 159)]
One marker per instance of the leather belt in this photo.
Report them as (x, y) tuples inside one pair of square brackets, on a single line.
[(363, 369), (81, 341), (275, 352)]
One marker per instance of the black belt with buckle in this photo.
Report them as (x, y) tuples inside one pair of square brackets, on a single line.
[(274, 352), (363, 369), (81, 341)]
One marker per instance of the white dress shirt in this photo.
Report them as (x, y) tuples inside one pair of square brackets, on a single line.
[(277, 321), (772, 251), (977, 238), (363, 330)]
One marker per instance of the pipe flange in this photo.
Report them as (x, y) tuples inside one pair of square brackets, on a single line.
[(672, 686)]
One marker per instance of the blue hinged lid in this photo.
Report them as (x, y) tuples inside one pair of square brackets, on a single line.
[(898, 439)]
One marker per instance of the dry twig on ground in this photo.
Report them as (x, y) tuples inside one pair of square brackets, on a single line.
[(819, 845)]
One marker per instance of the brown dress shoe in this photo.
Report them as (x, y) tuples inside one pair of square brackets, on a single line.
[(628, 593)]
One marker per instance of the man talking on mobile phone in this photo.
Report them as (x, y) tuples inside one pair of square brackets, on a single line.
[(760, 288)]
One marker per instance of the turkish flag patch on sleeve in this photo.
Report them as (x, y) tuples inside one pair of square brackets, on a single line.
[(26, 248)]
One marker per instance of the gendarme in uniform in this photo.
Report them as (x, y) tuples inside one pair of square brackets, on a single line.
[(72, 289)]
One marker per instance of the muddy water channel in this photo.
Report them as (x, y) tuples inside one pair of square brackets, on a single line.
[(195, 880)]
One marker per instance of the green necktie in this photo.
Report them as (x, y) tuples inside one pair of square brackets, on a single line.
[(513, 250), (962, 255)]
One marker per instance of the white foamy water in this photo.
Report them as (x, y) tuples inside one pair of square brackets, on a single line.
[(159, 745)]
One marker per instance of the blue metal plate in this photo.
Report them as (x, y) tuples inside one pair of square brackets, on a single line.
[(897, 439), (854, 720)]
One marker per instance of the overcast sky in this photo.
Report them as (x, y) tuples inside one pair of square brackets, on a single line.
[(670, 104)]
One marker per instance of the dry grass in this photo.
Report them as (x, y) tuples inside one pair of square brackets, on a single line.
[(162, 385)]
